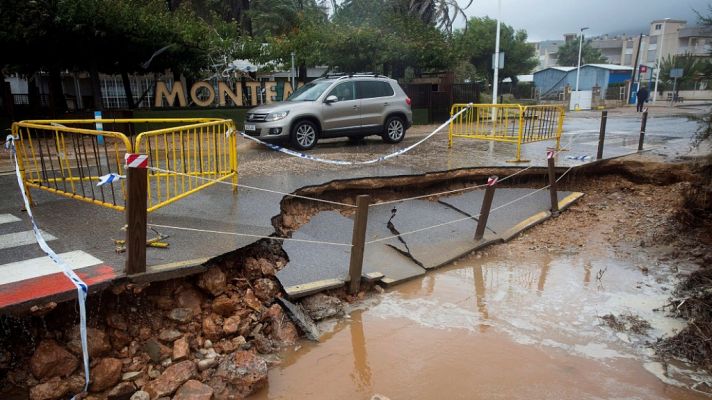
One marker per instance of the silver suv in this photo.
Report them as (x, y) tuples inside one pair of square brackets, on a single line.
[(354, 106)]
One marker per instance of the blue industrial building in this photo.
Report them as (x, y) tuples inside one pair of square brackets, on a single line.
[(552, 80)]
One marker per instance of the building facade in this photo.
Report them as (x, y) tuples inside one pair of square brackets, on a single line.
[(665, 37)]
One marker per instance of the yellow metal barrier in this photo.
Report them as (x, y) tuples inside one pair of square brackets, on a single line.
[(510, 123), (69, 161), (196, 152)]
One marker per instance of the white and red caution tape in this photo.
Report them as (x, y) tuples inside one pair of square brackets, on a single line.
[(82, 288)]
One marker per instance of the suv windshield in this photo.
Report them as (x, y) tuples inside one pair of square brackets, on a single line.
[(309, 92)]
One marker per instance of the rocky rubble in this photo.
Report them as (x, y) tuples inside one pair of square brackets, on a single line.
[(196, 338)]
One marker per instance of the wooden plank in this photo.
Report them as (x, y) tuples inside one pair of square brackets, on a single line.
[(137, 182)]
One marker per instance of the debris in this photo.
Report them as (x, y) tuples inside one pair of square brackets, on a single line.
[(321, 306), (303, 321)]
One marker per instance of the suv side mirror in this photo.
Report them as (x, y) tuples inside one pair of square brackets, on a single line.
[(331, 99)]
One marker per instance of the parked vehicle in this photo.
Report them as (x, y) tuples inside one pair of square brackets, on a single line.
[(353, 106)]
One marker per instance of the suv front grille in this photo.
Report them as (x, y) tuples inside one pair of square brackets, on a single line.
[(254, 117)]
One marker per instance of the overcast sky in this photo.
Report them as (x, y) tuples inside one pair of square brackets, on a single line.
[(550, 19)]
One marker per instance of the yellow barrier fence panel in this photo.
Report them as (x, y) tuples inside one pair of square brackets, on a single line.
[(187, 159), (509, 123), (69, 161)]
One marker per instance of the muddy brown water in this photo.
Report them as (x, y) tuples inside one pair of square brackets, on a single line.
[(506, 325)]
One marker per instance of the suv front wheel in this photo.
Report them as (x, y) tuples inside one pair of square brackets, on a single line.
[(393, 130), (304, 135)]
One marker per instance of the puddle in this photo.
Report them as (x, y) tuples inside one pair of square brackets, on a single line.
[(512, 328)]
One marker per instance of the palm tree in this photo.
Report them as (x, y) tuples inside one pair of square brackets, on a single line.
[(441, 13)]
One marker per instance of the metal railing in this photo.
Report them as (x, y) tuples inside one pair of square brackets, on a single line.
[(197, 151), (69, 161), (509, 123)]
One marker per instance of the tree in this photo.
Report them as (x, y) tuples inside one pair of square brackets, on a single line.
[(111, 36), (476, 43), (568, 54), (694, 69)]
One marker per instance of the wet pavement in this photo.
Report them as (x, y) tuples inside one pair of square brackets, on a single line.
[(496, 326), (219, 213), (406, 239)]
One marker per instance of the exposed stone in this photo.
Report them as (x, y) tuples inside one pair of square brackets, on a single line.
[(283, 330), (213, 280), (53, 389), (252, 269), (97, 342), (170, 379), (105, 374), (130, 376), (50, 359), (117, 321), (231, 325), (169, 335), (265, 289), (188, 297), (119, 339), (145, 333), (207, 363), (156, 351), (210, 328), (181, 314), (140, 395), (194, 390), (122, 391), (208, 344), (224, 306), (263, 344), (251, 301), (239, 374), (266, 267), (321, 306), (181, 349)]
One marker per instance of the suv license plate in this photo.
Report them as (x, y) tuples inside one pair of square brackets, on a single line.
[(250, 127)]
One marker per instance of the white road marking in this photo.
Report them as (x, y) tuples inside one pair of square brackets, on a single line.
[(21, 239), (7, 218), (40, 266)]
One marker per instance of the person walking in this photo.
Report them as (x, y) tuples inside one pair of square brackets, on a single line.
[(642, 96)]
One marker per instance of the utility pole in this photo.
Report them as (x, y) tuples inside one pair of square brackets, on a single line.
[(636, 68), (294, 73), (660, 54)]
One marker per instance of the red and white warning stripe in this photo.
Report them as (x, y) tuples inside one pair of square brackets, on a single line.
[(492, 180), (136, 160)]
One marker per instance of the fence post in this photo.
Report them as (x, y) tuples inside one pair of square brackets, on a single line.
[(552, 183), (358, 242), (136, 218), (602, 134), (642, 130), (486, 206)]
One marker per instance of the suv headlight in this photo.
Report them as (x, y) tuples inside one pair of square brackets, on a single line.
[(276, 116)]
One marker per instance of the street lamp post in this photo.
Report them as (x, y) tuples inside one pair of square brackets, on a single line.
[(495, 84), (578, 67), (657, 65)]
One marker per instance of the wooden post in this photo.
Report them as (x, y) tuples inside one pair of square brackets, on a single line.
[(602, 134), (486, 206), (552, 186), (136, 218), (358, 242), (642, 130)]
